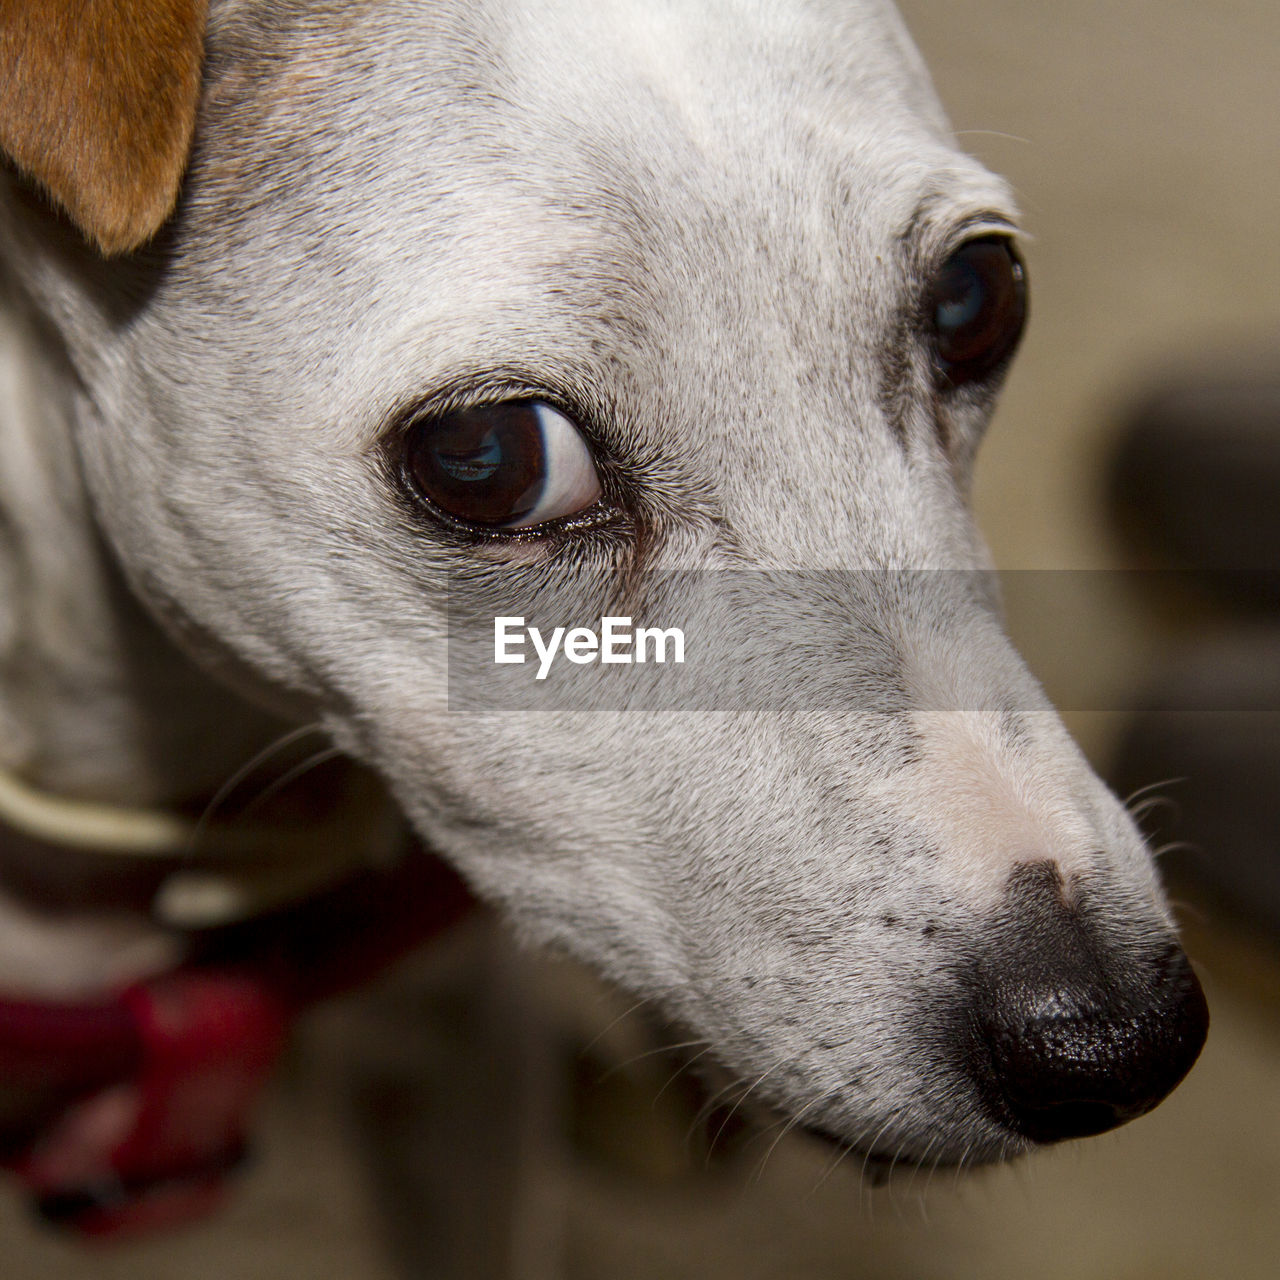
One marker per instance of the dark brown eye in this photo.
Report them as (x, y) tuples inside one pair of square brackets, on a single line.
[(502, 466), (977, 306)]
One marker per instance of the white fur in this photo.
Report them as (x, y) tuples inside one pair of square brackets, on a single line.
[(697, 215)]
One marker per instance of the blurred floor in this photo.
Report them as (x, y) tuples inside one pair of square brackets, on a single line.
[(1142, 141)]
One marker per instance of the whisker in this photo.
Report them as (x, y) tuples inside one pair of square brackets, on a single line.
[(291, 776), (784, 1127), (626, 1013), (842, 1150), (256, 762), (842, 1153), (915, 1173), (679, 1071), (991, 133), (1140, 809), (933, 1169), (705, 1111), (893, 1164), (648, 1053), (1191, 910), (871, 1146), (1151, 786), (711, 1146)]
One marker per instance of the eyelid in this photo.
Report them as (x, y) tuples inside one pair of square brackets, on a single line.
[(977, 227), (452, 397), (583, 405), (937, 226)]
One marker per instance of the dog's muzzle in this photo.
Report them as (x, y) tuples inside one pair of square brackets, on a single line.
[(1072, 1032)]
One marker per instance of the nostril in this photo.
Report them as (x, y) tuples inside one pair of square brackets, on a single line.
[(1071, 1077), (1068, 1067)]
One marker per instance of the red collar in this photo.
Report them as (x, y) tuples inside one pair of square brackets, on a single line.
[(150, 1090)]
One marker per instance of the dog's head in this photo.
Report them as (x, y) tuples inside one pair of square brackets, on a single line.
[(477, 302)]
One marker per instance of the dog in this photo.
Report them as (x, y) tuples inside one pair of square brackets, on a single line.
[(325, 317)]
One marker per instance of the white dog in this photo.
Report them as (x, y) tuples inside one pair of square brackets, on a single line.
[(545, 298)]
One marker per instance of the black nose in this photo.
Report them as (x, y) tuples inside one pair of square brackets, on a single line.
[(1080, 1026), (1069, 1063)]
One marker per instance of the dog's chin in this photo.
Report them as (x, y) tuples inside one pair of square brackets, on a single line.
[(877, 1165)]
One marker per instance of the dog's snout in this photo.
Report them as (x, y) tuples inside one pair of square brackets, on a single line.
[(1075, 1032), (1068, 1063)]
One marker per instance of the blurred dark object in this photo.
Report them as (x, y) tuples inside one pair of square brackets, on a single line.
[(1196, 482), (1195, 486), (1212, 763), (146, 1094)]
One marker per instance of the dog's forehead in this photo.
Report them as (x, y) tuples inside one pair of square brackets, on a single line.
[(734, 79), (526, 183), (776, 121), (687, 51), (631, 107)]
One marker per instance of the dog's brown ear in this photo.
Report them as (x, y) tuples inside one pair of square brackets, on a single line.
[(98, 102)]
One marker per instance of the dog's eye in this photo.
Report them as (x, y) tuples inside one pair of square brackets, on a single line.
[(977, 306), (503, 466)]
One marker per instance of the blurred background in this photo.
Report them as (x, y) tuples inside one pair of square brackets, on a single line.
[(487, 1114)]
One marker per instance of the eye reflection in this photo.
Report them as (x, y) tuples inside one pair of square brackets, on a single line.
[(475, 464)]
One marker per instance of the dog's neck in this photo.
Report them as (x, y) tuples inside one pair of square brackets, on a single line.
[(102, 714), (88, 683)]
